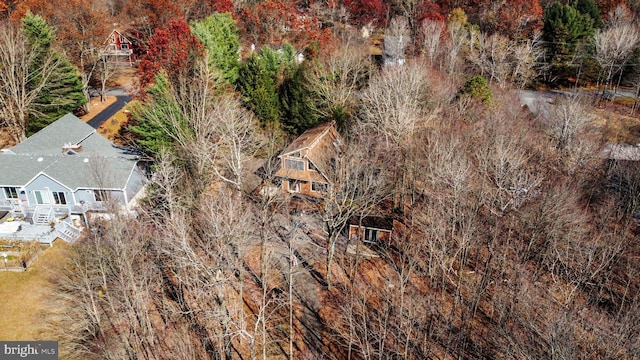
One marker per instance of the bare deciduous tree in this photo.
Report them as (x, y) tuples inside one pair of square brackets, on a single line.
[(431, 33), (236, 140), (23, 75), (615, 44), (396, 38), (109, 291), (568, 122), (397, 102), (106, 68), (337, 81), (215, 134), (357, 185), (526, 57), (511, 180), (490, 55), (457, 39)]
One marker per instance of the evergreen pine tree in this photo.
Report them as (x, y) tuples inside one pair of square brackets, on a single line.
[(152, 125), (258, 88), (63, 92), (220, 37), (298, 111), (589, 7), (565, 29)]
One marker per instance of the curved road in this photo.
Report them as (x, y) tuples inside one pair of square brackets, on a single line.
[(122, 98)]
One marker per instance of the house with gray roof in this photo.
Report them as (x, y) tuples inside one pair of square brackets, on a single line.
[(67, 168)]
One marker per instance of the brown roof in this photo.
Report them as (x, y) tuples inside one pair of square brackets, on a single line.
[(309, 138)]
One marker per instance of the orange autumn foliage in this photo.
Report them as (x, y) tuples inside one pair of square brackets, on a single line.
[(275, 23)]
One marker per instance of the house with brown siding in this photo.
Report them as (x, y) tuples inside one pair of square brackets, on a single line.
[(305, 164)]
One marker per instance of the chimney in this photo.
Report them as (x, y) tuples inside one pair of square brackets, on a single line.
[(76, 148)]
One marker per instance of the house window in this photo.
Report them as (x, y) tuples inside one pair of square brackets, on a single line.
[(295, 154), (11, 193), (42, 197), (370, 235), (59, 198), (319, 187), (294, 164), (124, 46), (312, 167), (294, 186), (112, 47), (101, 195)]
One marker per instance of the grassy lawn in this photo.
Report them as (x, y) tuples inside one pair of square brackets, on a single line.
[(24, 296), (622, 129)]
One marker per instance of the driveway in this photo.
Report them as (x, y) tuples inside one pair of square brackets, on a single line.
[(122, 98)]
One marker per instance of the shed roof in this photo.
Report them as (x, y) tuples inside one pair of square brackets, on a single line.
[(376, 222), (622, 152)]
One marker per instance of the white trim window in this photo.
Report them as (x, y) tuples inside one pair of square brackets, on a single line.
[(42, 197), (318, 187), (59, 198), (293, 164), (11, 192), (294, 186), (101, 195), (371, 235)]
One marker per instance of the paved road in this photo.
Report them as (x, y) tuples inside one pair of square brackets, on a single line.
[(122, 98), (536, 100)]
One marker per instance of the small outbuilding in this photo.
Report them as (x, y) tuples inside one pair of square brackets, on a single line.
[(372, 229)]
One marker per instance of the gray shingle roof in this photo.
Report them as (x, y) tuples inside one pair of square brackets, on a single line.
[(18, 170), (100, 164), (49, 141)]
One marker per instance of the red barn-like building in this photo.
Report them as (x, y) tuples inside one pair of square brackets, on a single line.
[(119, 46)]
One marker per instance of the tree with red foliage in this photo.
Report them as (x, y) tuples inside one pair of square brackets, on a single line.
[(429, 11), (517, 18), (8, 7), (150, 15), (157, 13), (365, 12), (222, 6), (606, 6), (173, 48), (275, 23), (415, 11)]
